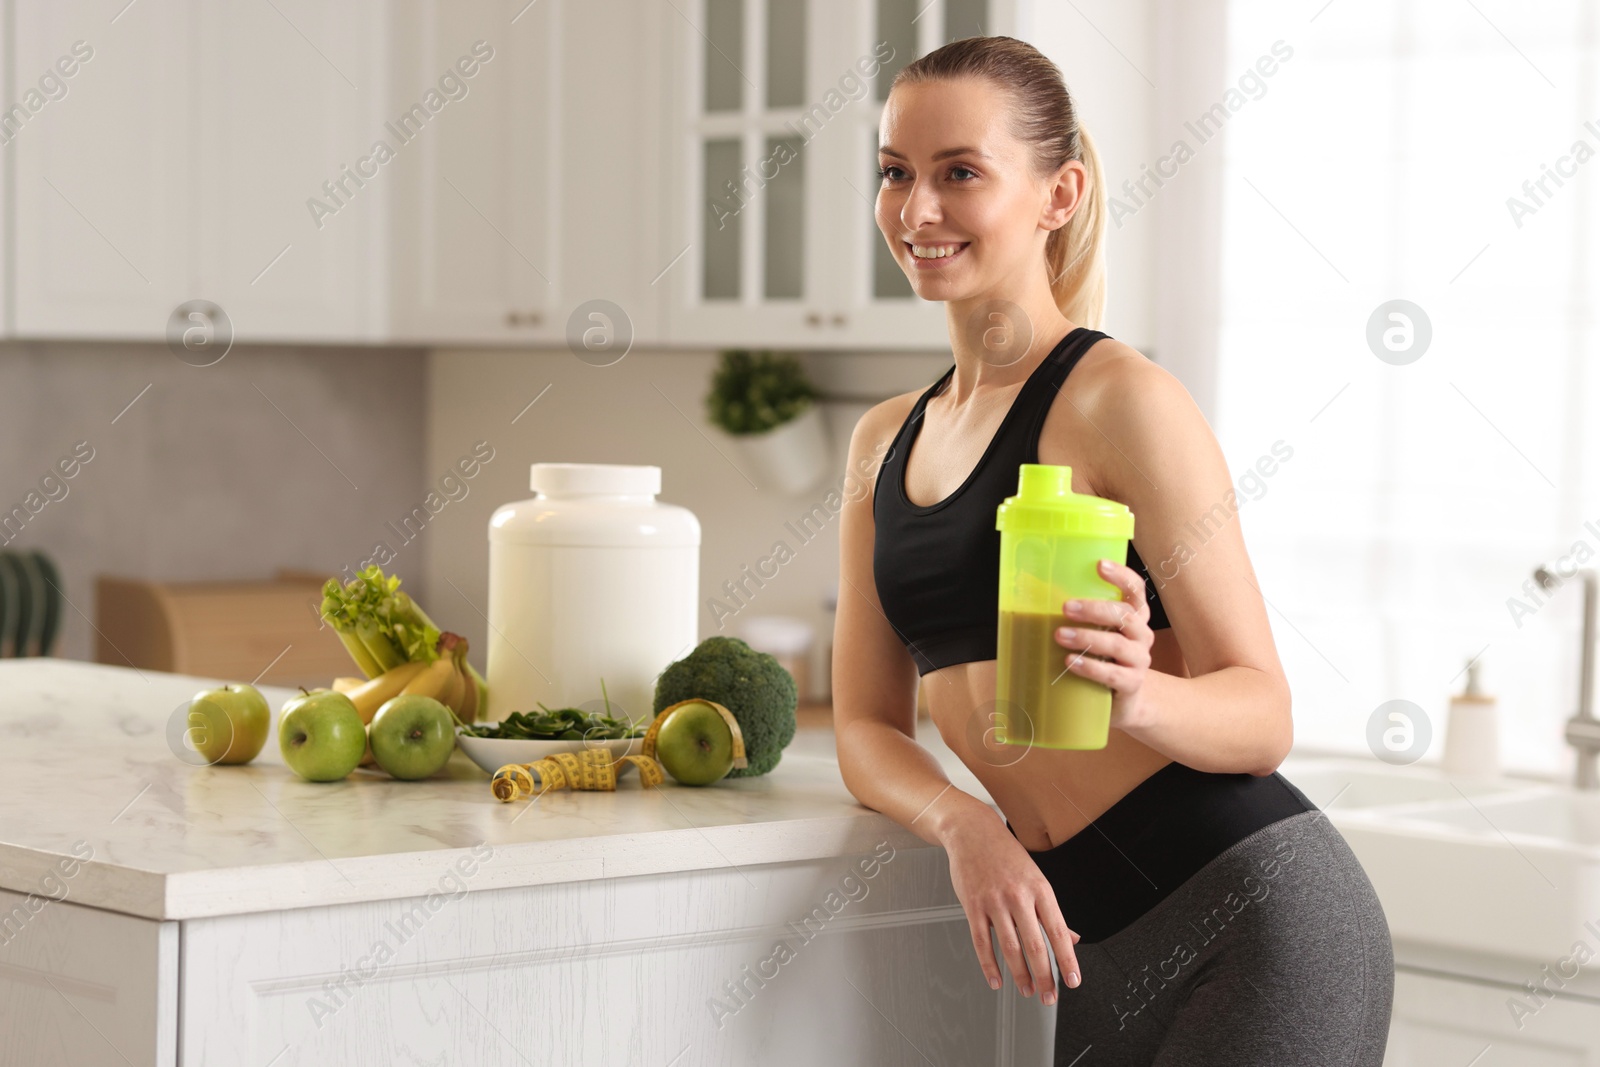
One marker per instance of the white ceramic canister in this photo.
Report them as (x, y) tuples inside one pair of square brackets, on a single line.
[(592, 578)]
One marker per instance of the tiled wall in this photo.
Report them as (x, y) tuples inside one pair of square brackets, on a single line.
[(273, 457)]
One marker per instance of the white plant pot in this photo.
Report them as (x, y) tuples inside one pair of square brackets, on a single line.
[(790, 457)]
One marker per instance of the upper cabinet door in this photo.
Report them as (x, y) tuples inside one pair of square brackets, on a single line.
[(473, 226), (293, 130), (876, 305), (747, 153), (100, 134), (773, 116)]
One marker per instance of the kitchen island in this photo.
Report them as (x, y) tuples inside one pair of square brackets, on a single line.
[(157, 912)]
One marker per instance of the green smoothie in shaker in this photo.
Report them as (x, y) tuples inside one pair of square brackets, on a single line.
[(1051, 541)]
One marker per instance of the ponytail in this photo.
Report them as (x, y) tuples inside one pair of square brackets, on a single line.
[(1075, 253)]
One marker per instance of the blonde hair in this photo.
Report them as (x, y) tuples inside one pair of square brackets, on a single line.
[(1046, 118)]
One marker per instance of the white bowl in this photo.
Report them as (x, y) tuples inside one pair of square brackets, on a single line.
[(492, 753)]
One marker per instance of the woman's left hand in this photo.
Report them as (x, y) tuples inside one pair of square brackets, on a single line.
[(1118, 656)]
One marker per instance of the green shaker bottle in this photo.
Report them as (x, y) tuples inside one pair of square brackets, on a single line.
[(1051, 542)]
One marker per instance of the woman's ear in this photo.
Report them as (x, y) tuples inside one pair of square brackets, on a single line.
[(1066, 194)]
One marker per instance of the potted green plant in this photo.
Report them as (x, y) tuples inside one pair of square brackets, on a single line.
[(767, 403)]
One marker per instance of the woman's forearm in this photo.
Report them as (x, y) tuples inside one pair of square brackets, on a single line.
[(890, 773), (1229, 721)]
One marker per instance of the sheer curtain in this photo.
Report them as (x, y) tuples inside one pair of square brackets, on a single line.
[(1384, 158)]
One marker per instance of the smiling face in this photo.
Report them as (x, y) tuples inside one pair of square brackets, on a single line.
[(959, 202)]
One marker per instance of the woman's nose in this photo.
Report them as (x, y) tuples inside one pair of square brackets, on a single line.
[(921, 206)]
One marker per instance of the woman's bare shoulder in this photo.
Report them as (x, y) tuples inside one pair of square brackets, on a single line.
[(1119, 402), (876, 429), (1113, 369), (1115, 384), (886, 416)]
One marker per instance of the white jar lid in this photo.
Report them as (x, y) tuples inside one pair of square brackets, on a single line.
[(583, 479)]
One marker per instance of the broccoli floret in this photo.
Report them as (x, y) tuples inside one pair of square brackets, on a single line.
[(753, 685)]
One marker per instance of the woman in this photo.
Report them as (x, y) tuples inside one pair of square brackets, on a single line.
[(1216, 916)]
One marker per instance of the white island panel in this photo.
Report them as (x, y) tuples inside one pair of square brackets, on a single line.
[(81, 987), (783, 964)]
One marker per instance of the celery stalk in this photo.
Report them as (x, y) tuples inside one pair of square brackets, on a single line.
[(358, 652), (383, 648), (380, 626)]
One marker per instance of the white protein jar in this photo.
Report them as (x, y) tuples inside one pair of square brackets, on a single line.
[(592, 578)]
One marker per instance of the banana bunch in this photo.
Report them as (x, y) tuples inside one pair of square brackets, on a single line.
[(446, 679)]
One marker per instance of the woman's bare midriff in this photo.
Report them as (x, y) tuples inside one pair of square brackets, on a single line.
[(1047, 794)]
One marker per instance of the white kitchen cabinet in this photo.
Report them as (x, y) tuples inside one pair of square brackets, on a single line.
[(529, 217), (771, 111), (609, 174), (179, 164), (7, 130), (103, 206), (229, 152), (652, 970), (84, 986), (474, 228), (1443, 1021), (594, 971), (286, 111)]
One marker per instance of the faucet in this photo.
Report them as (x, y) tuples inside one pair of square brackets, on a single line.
[(1583, 729)]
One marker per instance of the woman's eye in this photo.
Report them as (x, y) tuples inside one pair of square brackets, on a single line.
[(893, 173)]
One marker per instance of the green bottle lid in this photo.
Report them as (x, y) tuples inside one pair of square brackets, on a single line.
[(1045, 503)]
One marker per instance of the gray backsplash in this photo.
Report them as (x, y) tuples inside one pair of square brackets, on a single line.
[(277, 456)]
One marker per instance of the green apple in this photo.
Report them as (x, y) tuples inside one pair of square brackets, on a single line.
[(230, 724), (695, 744), (321, 735), (412, 736)]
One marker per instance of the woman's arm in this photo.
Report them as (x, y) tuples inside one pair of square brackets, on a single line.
[(875, 720), (1155, 453), (874, 678)]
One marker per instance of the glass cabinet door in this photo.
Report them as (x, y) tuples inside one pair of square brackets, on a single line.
[(877, 303), (775, 157), (751, 269)]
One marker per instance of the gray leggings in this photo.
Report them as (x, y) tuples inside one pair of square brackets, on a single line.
[(1274, 954)]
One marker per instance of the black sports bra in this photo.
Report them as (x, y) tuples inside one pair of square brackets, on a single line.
[(937, 567)]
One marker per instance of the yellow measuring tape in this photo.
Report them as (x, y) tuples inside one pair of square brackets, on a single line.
[(594, 769), (590, 769)]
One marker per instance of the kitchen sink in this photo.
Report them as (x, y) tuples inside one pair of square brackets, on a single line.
[(1508, 867), (1347, 786), (1570, 819)]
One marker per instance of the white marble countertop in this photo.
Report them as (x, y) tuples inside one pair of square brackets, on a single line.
[(86, 768), (85, 763)]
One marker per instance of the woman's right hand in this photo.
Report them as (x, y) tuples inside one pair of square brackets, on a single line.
[(1000, 886)]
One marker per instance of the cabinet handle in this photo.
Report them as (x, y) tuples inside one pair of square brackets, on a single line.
[(839, 318), (513, 319), (813, 318), (532, 318)]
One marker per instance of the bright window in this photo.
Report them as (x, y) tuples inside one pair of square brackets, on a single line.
[(1376, 163)]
